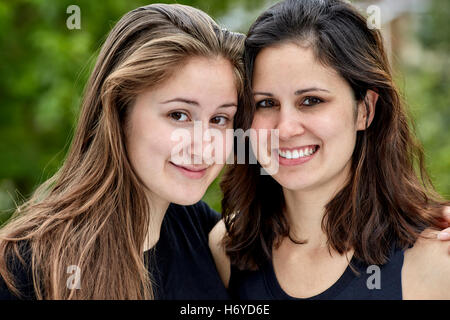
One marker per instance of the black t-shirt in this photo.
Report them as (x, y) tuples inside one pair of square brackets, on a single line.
[(184, 266), (181, 263)]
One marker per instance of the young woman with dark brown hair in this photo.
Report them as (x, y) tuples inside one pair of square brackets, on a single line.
[(345, 216), (88, 231)]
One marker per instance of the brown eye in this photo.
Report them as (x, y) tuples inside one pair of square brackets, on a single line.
[(266, 103), (311, 101), (179, 116), (220, 120)]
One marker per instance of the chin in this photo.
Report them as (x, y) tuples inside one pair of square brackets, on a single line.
[(187, 200), (293, 184)]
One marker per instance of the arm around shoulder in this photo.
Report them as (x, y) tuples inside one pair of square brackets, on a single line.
[(426, 270), (221, 259)]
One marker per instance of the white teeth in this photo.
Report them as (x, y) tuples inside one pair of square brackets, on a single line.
[(295, 154)]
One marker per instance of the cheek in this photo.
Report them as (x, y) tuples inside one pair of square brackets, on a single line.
[(336, 122), (263, 121), (326, 127), (144, 146), (219, 148), (338, 134), (262, 124)]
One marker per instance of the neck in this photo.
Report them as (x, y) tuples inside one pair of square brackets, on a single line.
[(305, 210), (158, 208)]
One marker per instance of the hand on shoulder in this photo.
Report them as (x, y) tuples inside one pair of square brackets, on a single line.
[(444, 234), (218, 251), (426, 269)]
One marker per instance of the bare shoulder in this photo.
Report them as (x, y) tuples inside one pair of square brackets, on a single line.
[(426, 269), (218, 251)]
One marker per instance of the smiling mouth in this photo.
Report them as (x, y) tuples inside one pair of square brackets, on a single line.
[(192, 172), (191, 168), (297, 153)]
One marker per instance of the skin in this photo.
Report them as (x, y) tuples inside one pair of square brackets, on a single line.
[(323, 117), (193, 93)]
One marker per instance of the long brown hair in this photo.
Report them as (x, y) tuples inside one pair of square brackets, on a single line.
[(93, 213), (385, 202)]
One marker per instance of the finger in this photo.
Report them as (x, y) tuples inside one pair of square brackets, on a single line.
[(444, 235)]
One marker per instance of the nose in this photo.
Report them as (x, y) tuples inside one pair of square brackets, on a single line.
[(290, 123), (199, 142)]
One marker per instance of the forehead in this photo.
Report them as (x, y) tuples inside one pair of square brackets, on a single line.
[(294, 64), (212, 78)]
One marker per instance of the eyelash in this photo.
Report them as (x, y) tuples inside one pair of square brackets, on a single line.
[(171, 114), (275, 104), (258, 104), (316, 98), (226, 119)]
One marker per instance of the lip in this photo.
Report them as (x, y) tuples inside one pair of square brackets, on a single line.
[(191, 172), (293, 162)]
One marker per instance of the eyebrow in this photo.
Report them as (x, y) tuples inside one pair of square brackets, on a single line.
[(297, 93), (301, 91), (195, 103)]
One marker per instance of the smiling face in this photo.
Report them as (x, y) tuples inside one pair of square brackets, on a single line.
[(202, 90), (314, 110)]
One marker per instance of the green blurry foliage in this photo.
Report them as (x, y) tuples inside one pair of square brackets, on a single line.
[(44, 67), (427, 90)]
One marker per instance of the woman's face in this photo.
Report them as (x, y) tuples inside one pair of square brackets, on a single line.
[(167, 130), (314, 110)]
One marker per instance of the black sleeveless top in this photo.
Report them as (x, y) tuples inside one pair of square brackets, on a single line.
[(382, 282)]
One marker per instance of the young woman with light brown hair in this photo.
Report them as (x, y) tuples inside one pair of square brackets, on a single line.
[(349, 213), (87, 232)]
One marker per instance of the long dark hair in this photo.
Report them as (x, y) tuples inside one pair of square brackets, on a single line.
[(385, 201)]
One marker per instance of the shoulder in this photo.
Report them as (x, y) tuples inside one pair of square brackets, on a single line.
[(218, 251), (205, 212), (426, 268), (198, 214)]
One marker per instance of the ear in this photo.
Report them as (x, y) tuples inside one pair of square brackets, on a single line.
[(366, 113)]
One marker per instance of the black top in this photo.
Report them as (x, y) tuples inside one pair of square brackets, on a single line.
[(373, 282), (183, 267)]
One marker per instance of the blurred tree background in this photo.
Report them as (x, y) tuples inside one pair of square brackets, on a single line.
[(425, 78), (44, 67)]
